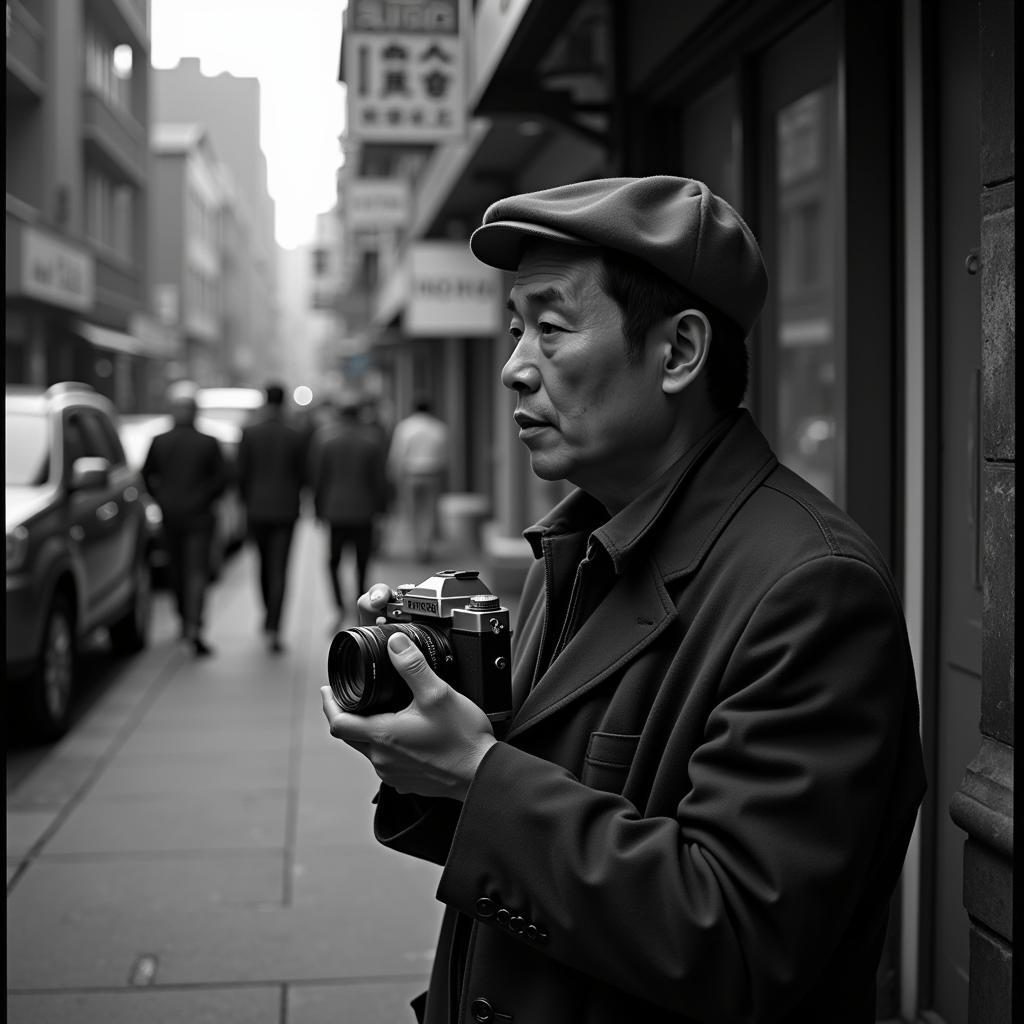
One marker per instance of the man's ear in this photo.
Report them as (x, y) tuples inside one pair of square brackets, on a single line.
[(687, 343)]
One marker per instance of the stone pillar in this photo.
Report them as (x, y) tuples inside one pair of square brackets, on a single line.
[(983, 807)]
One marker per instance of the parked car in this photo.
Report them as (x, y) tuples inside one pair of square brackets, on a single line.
[(137, 432), (77, 534)]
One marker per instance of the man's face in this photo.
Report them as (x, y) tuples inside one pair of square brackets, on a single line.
[(586, 413)]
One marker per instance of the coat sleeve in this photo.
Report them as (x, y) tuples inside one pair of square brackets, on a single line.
[(725, 910), (217, 477), (243, 464)]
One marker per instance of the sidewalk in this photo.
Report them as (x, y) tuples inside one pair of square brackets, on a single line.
[(199, 849)]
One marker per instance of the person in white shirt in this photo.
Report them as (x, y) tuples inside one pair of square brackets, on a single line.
[(417, 464)]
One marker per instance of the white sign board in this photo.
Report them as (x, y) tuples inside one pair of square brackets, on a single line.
[(451, 293), (405, 70), (373, 203), (56, 272)]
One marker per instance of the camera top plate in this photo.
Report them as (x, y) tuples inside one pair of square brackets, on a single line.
[(438, 595)]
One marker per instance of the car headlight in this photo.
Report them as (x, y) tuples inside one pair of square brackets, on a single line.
[(17, 548)]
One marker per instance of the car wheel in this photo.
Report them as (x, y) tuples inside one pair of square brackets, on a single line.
[(52, 683), (131, 632)]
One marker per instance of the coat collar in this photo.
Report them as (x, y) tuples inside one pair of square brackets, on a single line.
[(661, 536)]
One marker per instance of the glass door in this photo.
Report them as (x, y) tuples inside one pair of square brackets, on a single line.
[(802, 344)]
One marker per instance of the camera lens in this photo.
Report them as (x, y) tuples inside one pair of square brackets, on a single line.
[(361, 675)]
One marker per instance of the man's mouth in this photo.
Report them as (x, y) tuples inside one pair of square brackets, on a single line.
[(524, 421)]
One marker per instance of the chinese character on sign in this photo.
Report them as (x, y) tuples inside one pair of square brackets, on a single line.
[(405, 69)]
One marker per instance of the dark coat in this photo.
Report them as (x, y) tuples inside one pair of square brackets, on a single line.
[(348, 475), (186, 473), (700, 811), (271, 469)]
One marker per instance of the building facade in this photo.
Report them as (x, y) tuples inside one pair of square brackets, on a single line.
[(227, 107), (190, 215), (871, 147), (77, 169)]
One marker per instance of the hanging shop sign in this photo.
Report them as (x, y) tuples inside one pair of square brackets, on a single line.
[(372, 204), (451, 294), (53, 271), (405, 70)]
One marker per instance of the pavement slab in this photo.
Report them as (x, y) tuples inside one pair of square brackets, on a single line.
[(249, 1005)]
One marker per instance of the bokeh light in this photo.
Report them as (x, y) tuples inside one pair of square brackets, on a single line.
[(302, 395)]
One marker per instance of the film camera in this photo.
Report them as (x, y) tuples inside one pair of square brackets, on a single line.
[(462, 630)]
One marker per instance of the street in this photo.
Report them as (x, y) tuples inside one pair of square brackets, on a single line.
[(198, 848)]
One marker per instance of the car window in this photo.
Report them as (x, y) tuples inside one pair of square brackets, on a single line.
[(26, 449), (117, 456), (76, 444), (89, 425)]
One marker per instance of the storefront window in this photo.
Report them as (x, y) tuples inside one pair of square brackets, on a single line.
[(807, 413)]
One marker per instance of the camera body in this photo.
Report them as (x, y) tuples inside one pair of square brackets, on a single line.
[(454, 600), (462, 630)]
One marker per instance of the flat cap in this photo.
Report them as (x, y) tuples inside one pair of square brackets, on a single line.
[(677, 225)]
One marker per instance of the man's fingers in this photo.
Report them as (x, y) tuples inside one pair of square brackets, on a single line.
[(353, 729), (373, 602)]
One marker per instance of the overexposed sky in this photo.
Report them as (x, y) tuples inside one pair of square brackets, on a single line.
[(293, 48)]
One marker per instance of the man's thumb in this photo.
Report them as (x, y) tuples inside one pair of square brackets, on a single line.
[(412, 666)]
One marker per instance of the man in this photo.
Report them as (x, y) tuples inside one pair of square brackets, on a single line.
[(349, 492), (271, 471), (417, 463), (186, 474), (700, 807)]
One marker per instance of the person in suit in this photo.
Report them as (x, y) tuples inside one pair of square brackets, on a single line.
[(349, 484), (700, 807), (271, 476), (186, 473)]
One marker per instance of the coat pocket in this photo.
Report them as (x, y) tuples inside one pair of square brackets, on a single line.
[(608, 760)]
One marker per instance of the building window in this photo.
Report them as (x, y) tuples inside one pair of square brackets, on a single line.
[(109, 213), (807, 403), (108, 68)]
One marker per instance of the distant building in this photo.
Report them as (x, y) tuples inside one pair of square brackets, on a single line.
[(77, 166), (189, 209), (227, 107), (317, 350)]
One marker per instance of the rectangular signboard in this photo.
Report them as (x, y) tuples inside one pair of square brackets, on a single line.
[(451, 293), (56, 272), (405, 70)]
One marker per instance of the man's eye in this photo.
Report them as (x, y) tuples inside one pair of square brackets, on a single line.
[(546, 328), (516, 331)]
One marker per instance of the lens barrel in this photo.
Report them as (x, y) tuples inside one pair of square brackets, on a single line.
[(360, 673)]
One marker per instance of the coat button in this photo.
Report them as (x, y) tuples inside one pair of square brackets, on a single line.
[(485, 907), (481, 1010), (518, 924), (503, 916)]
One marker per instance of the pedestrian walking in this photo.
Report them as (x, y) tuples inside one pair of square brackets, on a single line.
[(417, 464), (349, 486), (271, 475), (186, 473), (700, 807)]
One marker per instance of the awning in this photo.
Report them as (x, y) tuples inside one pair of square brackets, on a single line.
[(104, 337)]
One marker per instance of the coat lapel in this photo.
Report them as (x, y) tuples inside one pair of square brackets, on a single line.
[(635, 611), (683, 526)]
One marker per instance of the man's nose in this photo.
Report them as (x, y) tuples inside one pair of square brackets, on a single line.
[(520, 373)]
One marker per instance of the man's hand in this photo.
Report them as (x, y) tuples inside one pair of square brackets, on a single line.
[(434, 746)]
